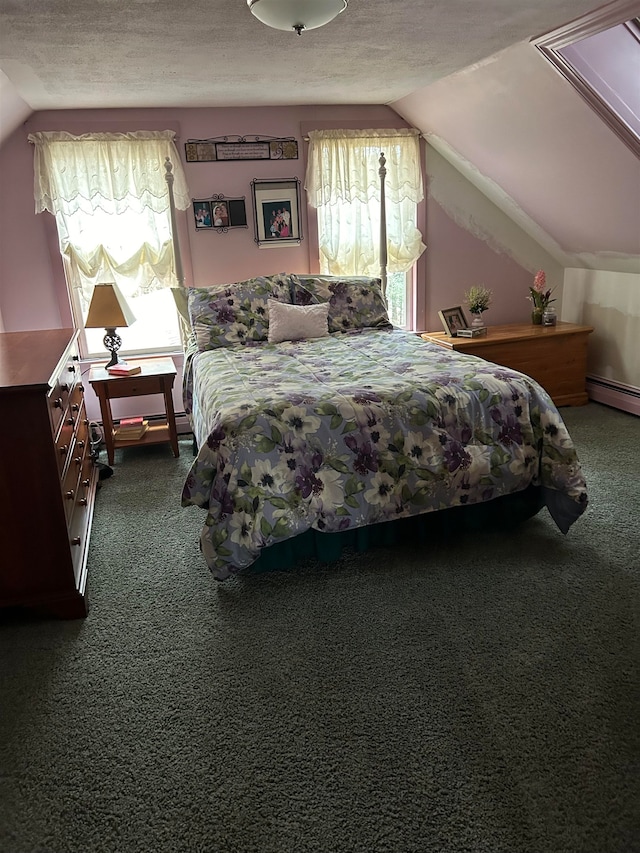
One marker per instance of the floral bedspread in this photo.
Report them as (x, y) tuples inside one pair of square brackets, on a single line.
[(360, 428)]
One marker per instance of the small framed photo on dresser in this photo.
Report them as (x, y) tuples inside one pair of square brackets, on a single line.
[(453, 320)]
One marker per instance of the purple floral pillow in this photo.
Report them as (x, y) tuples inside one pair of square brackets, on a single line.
[(355, 302), (237, 313)]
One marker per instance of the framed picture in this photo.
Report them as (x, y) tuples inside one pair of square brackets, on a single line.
[(453, 319), (276, 207), (219, 213)]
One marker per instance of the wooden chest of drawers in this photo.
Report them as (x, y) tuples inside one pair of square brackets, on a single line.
[(555, 356), (47, 476)]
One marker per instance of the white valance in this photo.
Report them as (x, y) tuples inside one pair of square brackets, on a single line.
[(114, 172), (343, 166)]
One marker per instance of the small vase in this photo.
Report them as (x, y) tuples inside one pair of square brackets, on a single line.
[(536, 316), (477, 321)]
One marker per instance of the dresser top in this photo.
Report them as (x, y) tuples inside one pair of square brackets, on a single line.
[(32, 358), (507, 334)]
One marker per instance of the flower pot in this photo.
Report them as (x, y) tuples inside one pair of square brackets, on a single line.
[(536, 316), (477, 321)]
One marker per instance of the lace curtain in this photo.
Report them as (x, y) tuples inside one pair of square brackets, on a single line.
[(343, 183), (110, 199)]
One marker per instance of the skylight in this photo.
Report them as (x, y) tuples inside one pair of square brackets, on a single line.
[(600, 56)]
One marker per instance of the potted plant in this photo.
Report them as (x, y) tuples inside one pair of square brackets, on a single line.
[(478, 299), (540, 297)]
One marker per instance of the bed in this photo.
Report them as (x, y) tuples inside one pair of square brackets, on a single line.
[(314, 419)]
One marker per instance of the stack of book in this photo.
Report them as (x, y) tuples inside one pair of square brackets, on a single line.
[(130, 429)]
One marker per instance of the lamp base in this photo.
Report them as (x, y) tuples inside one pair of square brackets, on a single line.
[(112, 342)]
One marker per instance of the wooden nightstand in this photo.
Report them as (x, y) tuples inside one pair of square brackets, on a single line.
[(555, 356), (157, 377)]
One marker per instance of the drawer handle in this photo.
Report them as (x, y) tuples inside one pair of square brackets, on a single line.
[(75, 407), (78, 460), (63, 449), (81, 444), (81, 388), (82, 501), (70, 495), (85, 483), (72, 368), (58, 403), (76, 540), (64, 389), (71, 421)]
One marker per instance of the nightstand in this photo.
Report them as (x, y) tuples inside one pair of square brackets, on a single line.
[(555, 356), (157, 377)]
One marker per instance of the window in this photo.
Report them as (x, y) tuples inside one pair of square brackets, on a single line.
[(399, 298), (343, 184), (109, 196), (600, 56)]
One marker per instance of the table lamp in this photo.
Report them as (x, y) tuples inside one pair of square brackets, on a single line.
[(108, 310)]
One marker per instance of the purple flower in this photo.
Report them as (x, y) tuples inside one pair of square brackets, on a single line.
[(216, 437), (456, 457), (307, 482), (225, 314)]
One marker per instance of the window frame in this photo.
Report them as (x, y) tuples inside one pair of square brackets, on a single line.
[(551, 44)]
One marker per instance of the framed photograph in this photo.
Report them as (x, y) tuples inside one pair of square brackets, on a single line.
[(453, 320), (219, 213), (276, 207)]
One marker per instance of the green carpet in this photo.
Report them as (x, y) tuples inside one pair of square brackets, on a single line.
[(477, 695)]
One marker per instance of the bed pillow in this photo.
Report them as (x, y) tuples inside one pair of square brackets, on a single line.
[(355, 302), (297, 322), (227, 314)]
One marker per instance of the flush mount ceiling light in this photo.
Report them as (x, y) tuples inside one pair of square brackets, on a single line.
[(296, 15)]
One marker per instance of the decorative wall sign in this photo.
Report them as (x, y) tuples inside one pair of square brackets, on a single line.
[(276, 207), (218, 213), (241, 148)]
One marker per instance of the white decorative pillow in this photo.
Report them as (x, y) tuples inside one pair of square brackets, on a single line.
[(297, 322)]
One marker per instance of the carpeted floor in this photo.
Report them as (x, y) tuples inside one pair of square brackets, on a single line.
[(477, 695)]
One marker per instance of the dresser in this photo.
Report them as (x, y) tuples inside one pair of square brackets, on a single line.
[(48, 478), (555, 356)]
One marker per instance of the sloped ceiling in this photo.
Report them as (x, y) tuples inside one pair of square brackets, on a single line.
[(463, 72), (520, 133), (65, 54)]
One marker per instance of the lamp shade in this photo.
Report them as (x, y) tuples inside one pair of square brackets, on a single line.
[(296, 15), (108, 308)]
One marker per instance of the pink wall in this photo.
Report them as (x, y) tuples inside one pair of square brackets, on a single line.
[(524, 127), (40, 302), (32, 286), (456, 260)]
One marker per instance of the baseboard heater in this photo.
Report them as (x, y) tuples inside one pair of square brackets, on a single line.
[(618, 395)]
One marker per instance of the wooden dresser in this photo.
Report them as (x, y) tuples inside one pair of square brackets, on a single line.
[(47, 476), (555, 356)]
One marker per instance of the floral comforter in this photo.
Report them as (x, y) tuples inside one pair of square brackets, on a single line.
[(355, 429)]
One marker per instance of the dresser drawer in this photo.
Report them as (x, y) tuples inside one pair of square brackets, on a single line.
[(62, 390), (71, 418)]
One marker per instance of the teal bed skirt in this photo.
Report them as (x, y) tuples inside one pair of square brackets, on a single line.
[(505, 512)]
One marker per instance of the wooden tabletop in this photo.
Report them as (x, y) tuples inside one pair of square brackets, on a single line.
[(160, 366), (31, 358), (506, 333)]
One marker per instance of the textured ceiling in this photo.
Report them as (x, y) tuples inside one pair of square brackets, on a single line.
[(163, 53)]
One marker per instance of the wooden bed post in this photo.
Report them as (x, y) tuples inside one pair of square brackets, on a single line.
[(382, 171), (177, 257)]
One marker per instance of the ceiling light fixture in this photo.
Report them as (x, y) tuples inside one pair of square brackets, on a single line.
[(296, 15)]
